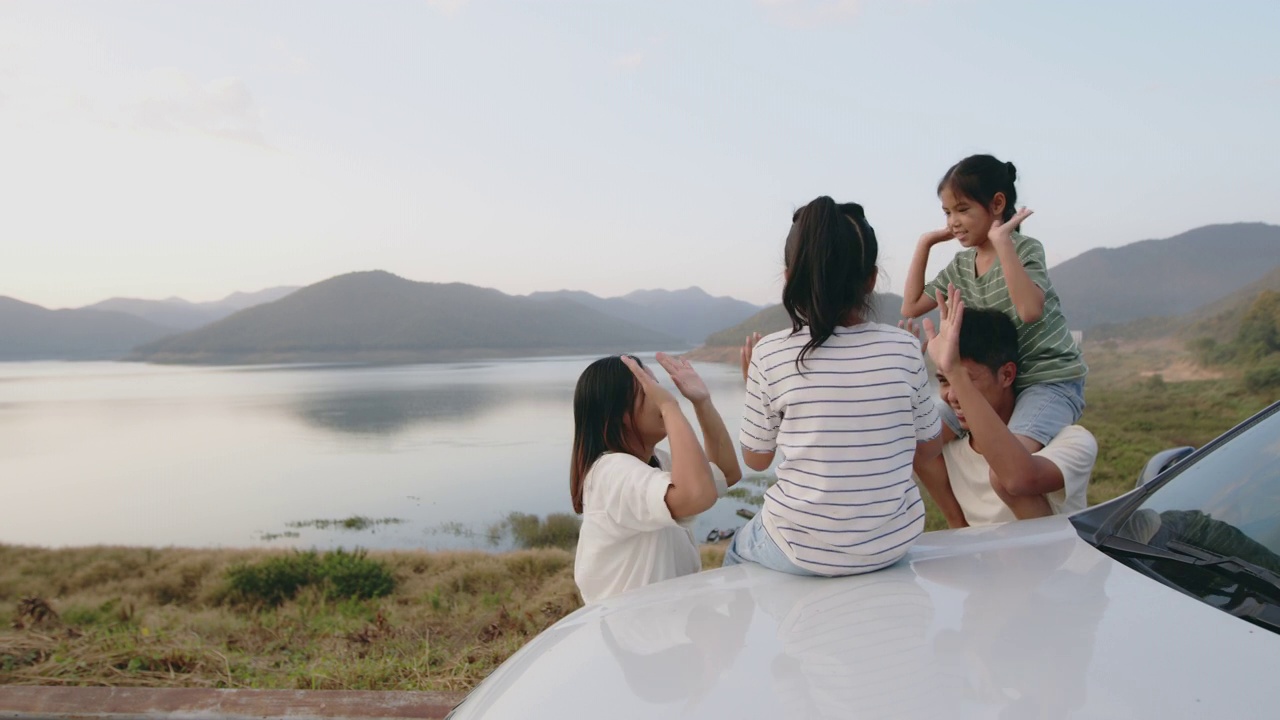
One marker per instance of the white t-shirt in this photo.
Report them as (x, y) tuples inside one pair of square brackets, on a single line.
[(628, 537), (1074, 451), (846, 429)]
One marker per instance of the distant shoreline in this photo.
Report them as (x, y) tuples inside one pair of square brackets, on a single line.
[(377, 357)]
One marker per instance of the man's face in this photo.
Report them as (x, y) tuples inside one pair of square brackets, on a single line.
[(995, 386)]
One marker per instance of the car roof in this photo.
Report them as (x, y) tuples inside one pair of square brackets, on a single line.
[(1023, 618)]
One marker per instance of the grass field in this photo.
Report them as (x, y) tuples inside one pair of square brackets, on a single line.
[(432, 621)]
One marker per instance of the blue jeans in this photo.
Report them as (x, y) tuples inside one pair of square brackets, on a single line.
[(753, 544), (1040, 411)]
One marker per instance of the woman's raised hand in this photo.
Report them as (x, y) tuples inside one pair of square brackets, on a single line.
[(687, 380), (654, 392), (745, 353)]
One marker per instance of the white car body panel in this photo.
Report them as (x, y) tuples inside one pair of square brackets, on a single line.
[(1023, 620)]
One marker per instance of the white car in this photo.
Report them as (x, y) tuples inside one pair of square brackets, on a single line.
[(1163, 603)]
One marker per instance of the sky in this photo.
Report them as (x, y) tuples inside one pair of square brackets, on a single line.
[(194, 149)]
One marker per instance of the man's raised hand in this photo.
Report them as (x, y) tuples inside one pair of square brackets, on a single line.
[(944, 344)]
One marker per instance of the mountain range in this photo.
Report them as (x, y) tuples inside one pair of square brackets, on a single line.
[(30, 332), (379, 317), (690, 314), (1164, 278), (180, 314), (1189, 285)]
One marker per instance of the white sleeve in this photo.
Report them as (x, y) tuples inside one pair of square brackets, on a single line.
[(928, 421), (760, 420), (717, 475), (1074, 451), (630, 493)]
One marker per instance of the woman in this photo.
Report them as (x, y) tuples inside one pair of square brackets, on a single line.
[(638, 503)]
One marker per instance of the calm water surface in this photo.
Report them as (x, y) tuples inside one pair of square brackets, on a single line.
[(124, 453)]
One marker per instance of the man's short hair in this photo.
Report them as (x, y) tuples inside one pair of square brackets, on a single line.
[(989, 338)]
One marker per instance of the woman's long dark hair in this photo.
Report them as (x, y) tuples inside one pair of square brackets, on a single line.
[(603, 402), (831, 266)]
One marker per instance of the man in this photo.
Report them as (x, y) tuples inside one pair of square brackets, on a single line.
[(993, 478)]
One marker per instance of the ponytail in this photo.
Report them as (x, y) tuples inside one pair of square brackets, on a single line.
[(830, 257)]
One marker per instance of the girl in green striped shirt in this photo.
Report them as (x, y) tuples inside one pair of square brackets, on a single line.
[(1001, 269)]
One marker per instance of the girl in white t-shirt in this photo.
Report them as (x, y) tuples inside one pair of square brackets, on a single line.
[(638, 503)]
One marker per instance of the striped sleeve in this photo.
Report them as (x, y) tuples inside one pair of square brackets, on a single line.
[(760, 421), (1031, 253), (925, 411), (945, 277)]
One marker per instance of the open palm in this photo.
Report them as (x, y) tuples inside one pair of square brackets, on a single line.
[(686, 379), (944, 344)]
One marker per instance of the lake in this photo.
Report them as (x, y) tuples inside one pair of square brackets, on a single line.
[(137, 454)]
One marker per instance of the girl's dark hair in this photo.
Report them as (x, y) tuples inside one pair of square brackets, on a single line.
[(831, 266), (980, 178), (603, 400)]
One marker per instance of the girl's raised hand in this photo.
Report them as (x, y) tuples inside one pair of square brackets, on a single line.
[(649, 384), (745, 353), (933, 237), (687, 380), (1003, 231)]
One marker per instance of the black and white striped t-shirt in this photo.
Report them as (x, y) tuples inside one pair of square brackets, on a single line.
[(846, 431)]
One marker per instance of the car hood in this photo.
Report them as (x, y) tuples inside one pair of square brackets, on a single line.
[(1017, 620)]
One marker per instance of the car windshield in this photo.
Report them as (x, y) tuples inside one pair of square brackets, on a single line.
[(1227, 503)]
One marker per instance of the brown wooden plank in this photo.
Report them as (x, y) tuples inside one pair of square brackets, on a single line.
[(105, 703)]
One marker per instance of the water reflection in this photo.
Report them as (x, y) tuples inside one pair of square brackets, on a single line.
[(393, 411), (228, 456)]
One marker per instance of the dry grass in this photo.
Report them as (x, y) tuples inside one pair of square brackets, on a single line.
[(160, 617)]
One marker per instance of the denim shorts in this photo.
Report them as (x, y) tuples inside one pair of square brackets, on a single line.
[(752, 544), (1040, 411)]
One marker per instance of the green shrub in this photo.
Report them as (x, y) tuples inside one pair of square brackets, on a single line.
[(1265, 376), (273, 580), (340, 574), (558, 530), (353, 575)]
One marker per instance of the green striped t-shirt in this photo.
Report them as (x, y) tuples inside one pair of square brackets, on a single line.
[(1046, 351)]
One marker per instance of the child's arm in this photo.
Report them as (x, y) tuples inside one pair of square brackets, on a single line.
[(692, 490), (915, 301), (715, 437), (932, 471), (1027, 296)]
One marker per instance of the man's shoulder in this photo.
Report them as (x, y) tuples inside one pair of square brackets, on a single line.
[(1075, 435), (1073, 445)]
